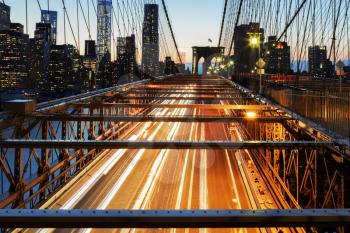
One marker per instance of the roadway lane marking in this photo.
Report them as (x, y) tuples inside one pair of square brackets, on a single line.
[(157, 167), (235, 200), (203, 189), (127, 172), (183, 176)]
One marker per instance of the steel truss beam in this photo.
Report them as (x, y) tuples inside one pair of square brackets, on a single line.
[(174, 218), (181, 88), (125, 144), (186, 92), (158, 118), (152, 97), (87, 96), (197, 106)]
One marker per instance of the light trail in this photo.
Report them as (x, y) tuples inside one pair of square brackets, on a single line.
[(154, 175), (193, 184)]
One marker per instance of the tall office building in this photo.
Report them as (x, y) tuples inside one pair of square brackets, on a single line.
[(277, 56), (104, 29), (126, 55), (50, 17), (13, 57), (150, 41), (319, 64), (63, 68), (4, 16), (247, 55), (170, 67), (39, 55), (90, 58)]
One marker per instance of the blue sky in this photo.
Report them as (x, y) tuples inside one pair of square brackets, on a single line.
[(194, 21)]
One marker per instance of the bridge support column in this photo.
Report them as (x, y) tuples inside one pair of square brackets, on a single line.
[(18, 186), (44, 167), (63, 157)]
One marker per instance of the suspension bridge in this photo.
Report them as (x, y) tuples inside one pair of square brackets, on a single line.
[(236, 149)]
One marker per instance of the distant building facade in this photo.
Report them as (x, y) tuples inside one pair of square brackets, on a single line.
[(150, 41), (319, 64), (277, 56), (63, 68), (39, 56), (4, 16), (89, 62), (126, 57), (50, 17), (13, 57), (170, 67), (104, 28), (245, 55)]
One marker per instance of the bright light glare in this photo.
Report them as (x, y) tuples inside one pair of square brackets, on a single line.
[(254, 41), (251, 114)]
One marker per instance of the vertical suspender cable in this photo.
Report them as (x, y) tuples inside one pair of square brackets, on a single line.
[(171, 30), (223, 22), (347, 31), (236, 24), (292, 20), (64, 25), (78, 25), (85, 20), (88, 7), (26, 16)]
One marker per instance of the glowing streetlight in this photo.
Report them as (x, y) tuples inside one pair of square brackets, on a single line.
[(254, 41), (251, 115)]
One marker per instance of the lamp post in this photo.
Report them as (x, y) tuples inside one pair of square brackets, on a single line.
[(255, 42)]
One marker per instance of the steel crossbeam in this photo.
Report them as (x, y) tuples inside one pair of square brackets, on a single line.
[(174, 218), (146, 118), (127, 144)]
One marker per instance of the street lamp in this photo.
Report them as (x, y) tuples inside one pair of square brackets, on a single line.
[(251, 115), (255, 42)]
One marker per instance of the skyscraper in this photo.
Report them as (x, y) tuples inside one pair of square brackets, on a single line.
[(13, 56), (277, 56), (50, 17), (90, 49), (150, 41), (104, 31), (89, 77), (62, 68), (39, 55), (4, 16), (245, 55), (319, 64), (126, 58)]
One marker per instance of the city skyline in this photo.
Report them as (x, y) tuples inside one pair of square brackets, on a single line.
[(187, 31), (103, 127)]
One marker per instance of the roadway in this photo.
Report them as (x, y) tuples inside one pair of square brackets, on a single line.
[(169, 179)]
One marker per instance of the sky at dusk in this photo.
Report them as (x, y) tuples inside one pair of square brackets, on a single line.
[(194, 21)]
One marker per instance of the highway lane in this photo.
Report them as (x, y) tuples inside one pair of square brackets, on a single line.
[(166, 179)]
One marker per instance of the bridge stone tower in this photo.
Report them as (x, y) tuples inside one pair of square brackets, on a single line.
[(208, 53)]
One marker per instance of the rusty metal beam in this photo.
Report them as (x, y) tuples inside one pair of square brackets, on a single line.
[(187, 92), (125, 144), (185, 119), (154, 97), (174, 218), (192, 106)]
